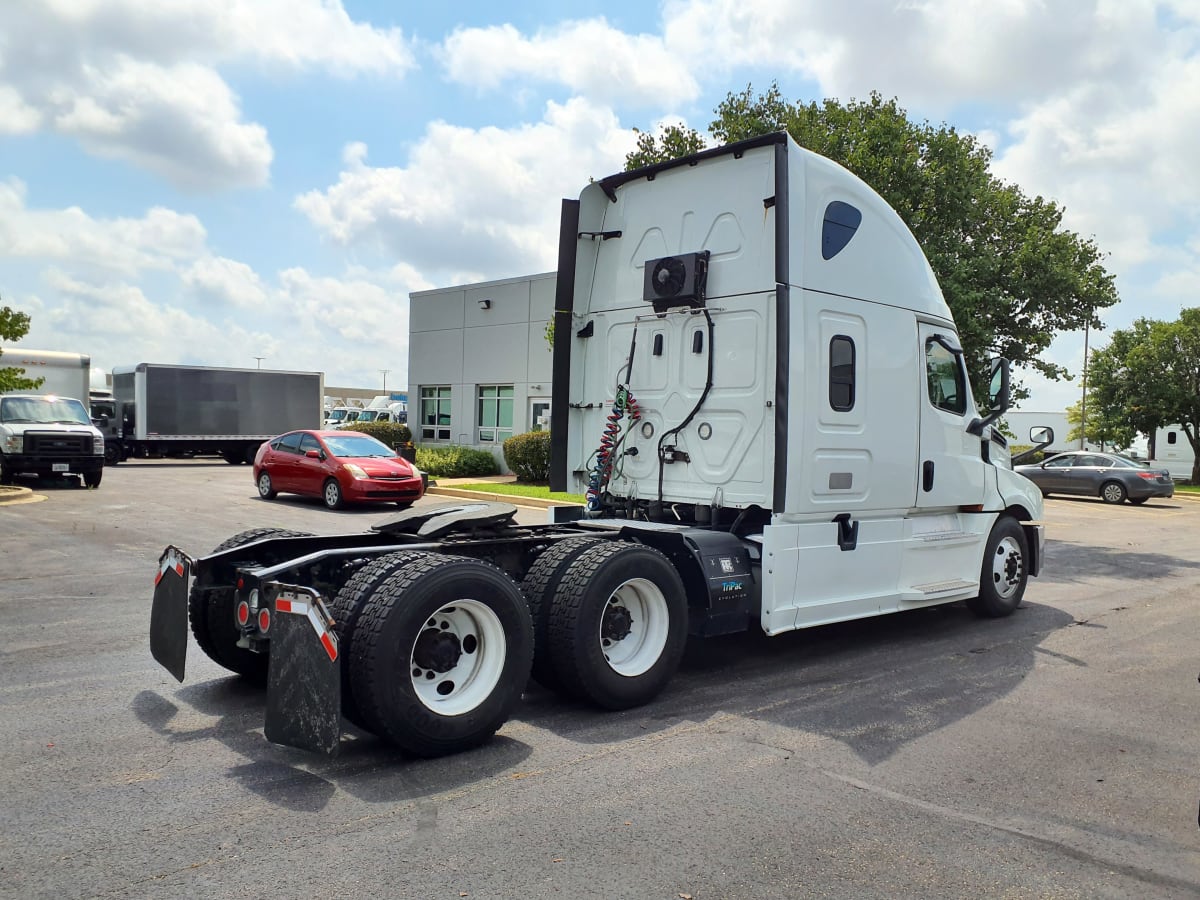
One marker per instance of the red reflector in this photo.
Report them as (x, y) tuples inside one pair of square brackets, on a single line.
[(264, 620), (243, 612), (241, 583)]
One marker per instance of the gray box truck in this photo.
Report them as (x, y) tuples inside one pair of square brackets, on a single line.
[(159, 409)]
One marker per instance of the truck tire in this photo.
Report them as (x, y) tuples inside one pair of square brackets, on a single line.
[(232, 457), (346, 608), (1005, 571), (5, 473), (441, 654), (618, 625), (112, 454), (212, 613), (539, 586), (92, 479)]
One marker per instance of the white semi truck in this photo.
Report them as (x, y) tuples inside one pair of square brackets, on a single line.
[(48, 431), (763, 396)]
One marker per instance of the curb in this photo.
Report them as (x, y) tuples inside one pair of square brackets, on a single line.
[(14, 496), (535, 502)]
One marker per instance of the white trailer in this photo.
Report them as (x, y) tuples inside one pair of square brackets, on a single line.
[(763, 395)]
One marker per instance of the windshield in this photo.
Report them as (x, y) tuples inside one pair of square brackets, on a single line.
[(368, 416), (357, 446), (336, 415), (43, 411), (1132, 463)]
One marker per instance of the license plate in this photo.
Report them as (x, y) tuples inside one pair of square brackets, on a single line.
[(60, 467)]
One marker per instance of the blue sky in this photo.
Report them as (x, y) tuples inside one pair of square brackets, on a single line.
[(209, 181)]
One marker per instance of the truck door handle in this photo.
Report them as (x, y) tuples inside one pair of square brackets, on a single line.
[(927, 476)]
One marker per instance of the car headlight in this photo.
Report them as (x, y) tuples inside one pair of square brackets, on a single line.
[(354, 471), (98, 445), (14, 443)]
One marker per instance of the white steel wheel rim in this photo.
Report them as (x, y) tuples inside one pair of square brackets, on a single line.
[(450, 683), (1112, 492), (264, 484), (1007, 566), (333, 493), (638, 607)]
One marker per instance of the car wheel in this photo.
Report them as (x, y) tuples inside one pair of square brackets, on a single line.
[(1138, 501), (265, 489), (1004, 572), (1112, 492), (331, 493)]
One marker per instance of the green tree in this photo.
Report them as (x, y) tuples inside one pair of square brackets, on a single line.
[(14, 325), (1125, 381), (1011, 274), (1150, 374), (1112, 432)]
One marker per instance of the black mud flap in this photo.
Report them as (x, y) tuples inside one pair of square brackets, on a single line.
[(304, 678), (169, 612)]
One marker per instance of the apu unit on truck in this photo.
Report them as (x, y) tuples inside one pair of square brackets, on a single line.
[(764, 398)]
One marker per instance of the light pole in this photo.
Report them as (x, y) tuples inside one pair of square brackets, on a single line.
[(260, 359), (1083, 402), (385, 374)]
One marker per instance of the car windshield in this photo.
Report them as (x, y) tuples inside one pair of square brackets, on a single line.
[(357, 446), (48, 410), (336, 415)]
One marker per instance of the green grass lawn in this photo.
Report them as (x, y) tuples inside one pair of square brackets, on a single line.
[(537, 491), (1187, 488)]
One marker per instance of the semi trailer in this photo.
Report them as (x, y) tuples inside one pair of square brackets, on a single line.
[(169, 410), (763, 398)]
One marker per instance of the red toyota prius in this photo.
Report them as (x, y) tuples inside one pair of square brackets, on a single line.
[(338, 466)]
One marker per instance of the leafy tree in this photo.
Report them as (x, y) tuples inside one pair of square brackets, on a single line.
[(1125, 381), (1102, 427), (1150, 374), (14, 325), (1012, 276)]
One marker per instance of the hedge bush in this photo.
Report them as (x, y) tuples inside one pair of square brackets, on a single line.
[(394, 434), (456, 462), (528, 455)]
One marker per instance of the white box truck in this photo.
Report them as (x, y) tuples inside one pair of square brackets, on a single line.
[(762, 392), (48, 431)]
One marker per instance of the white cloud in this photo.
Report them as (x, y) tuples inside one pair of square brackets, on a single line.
[(156, 241), (225, 281), (590, 57), (473, 202), (137, 79)]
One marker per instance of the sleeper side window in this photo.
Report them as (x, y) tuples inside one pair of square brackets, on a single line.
[(841, 373), (947, 382)]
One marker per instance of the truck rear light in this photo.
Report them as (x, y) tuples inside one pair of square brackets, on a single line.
[(241, 583), (264, 620), (243, 613)]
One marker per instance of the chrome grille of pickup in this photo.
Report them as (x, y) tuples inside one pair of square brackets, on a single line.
[(50, 444)]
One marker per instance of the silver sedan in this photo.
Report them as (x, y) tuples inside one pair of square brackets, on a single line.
[(1109, 476)]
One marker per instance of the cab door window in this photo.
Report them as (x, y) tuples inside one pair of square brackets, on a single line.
[(947, 381)]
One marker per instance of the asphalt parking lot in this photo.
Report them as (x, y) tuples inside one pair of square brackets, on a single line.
[(1050, 754)]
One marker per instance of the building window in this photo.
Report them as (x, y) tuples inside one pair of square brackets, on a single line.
[(435, 412), (495, 413), (841, 373), (947, 382), (1171, 437)]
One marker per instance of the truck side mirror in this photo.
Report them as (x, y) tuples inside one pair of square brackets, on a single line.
[(998, 396)]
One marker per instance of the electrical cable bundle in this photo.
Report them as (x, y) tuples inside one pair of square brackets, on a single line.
[(602, 471)]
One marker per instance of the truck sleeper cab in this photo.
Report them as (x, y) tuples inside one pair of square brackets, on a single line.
[(766, 405)]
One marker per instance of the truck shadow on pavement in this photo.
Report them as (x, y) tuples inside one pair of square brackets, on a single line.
[(874, 684), (365, 766)]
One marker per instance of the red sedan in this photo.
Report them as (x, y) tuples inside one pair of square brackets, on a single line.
[(337, 466)]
